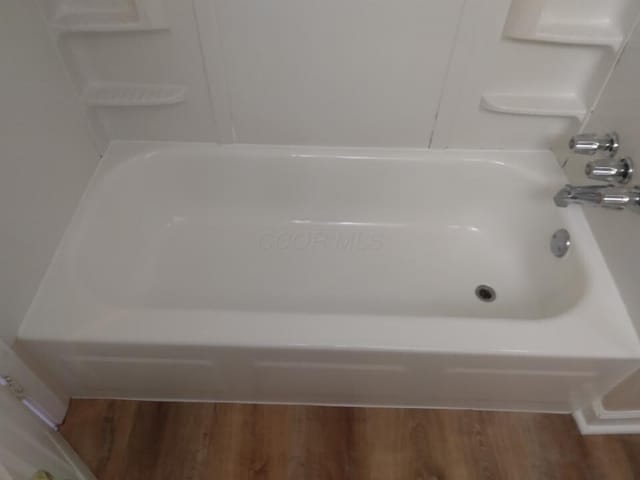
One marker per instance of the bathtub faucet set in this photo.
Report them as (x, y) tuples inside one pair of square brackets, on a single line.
[(609, 169)]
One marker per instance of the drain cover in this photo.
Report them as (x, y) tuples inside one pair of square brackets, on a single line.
[(560, 243)]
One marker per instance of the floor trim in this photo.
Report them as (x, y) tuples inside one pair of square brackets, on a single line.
[(595, 419)]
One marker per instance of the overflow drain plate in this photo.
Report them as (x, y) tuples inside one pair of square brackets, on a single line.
[(560, 243)]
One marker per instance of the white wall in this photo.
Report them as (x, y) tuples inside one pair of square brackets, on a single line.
[(168, 56), (408, 73), (46, 156), (333, 73), (618, 233), (403, 73)]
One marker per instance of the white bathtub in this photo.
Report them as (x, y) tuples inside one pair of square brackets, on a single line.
[(342, 276)]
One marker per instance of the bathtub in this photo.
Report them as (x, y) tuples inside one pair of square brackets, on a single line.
[(329, 276)]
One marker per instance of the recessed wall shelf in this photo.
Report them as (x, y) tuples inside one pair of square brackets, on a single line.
[(133, 94), (572, 34), (107, 16), (538, 105), (89, 27), (556, 21)]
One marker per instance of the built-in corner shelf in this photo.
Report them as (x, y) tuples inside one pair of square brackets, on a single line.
[(118, 16), (537, 105), (572, 34), (557, 22), (133, 94), (86, 25)]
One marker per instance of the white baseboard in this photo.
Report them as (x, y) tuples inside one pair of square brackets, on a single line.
[(594, 419)]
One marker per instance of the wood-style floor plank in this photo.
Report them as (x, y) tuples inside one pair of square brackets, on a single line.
[(196, 441)]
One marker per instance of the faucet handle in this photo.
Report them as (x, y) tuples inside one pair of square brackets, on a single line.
[(619, 198), (618, 171), (590, 144)]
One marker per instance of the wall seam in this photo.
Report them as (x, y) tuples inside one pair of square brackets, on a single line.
[(445, 79)]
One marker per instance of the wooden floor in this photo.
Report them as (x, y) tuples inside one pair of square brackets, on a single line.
[(177, 441)]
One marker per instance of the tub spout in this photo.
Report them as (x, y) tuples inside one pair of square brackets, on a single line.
[(606, 196)]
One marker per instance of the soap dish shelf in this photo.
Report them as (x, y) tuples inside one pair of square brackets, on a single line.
[(134, 15), (550, 21), (133, 94), (572, 35), (97, 27), (536, 105)]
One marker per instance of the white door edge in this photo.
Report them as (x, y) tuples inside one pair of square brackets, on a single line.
[(28, 445), (29, 386)]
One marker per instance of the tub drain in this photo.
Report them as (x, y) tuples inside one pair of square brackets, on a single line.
[(485, 293)]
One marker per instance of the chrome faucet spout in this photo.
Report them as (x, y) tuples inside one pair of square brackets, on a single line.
[(606, 196), (587, 194)]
